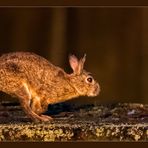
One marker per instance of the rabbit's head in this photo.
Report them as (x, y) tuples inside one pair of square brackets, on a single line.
[(81, 80)]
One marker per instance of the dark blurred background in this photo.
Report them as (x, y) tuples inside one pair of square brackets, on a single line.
[(114, 39)]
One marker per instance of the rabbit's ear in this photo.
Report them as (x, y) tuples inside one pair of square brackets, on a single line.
[(81, 63), (77, 65), (74, 63)]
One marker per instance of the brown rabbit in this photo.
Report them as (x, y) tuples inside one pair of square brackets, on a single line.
[(37, 83)]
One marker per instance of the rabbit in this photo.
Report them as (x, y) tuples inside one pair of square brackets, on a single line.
[(37, 83)]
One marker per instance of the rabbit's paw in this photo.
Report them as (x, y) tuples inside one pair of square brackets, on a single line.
[(45, 118)]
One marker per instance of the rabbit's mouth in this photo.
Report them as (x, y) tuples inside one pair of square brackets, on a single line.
[(95, 91)]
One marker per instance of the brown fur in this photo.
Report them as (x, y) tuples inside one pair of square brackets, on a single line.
[(37, 83)]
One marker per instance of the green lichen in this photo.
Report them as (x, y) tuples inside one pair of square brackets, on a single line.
[(93, 123)]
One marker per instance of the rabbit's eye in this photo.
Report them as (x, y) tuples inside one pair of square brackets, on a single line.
[(89, 79)]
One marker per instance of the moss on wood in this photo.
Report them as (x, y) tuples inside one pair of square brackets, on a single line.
[(116, 122)]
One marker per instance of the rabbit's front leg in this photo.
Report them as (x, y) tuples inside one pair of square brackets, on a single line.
[(25, 99)]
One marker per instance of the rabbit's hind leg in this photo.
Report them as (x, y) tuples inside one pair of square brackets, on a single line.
[(37, 108), (25, 99)]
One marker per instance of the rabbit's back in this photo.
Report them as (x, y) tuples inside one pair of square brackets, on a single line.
[(25, 58), (24, 66)]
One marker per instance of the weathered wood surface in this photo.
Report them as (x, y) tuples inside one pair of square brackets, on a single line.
[(116, 122)]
